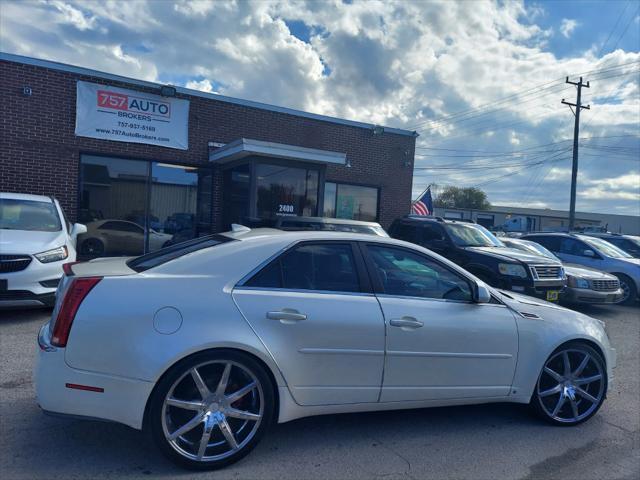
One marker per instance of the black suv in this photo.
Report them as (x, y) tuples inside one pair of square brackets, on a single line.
[(477, 250)]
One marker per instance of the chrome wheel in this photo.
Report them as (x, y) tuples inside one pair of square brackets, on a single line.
[(571, 386), (212, 411)]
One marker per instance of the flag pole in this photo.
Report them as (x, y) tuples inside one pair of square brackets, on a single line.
[(421, 193), (418, 198)]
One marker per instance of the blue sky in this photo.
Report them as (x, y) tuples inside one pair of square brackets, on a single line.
[(481, 81)]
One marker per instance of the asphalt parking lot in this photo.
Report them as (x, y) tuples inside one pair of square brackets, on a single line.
[(478, 442)]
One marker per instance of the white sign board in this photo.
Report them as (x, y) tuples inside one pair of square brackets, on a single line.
[(121, 115)]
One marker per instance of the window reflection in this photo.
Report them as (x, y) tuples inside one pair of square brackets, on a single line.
[(131, 207), (286, 191), (352, 202)]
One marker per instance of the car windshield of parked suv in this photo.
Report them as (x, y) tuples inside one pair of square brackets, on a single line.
[(470, 235), (29, 215), (605, 247)]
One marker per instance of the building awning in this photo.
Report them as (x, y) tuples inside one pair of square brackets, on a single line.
[(245, 147)]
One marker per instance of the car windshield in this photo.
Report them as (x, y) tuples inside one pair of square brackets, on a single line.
[(606, 248), (470, 235), (531, 247), (29, 215)]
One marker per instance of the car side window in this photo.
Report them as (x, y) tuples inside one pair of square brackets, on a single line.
[(408, 233), (432, 232), (321, 266), (404, 273), (571, 246), (550, 243)]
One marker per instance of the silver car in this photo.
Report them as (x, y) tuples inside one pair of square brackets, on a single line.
[(594, 253), (584, 285), (209, 342)]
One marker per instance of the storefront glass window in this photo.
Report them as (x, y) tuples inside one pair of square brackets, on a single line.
[(131, 207), (285, 190), (353, 202), (236, 192), (173, 204)]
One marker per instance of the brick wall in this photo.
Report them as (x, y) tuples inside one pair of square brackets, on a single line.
[(39, 152)]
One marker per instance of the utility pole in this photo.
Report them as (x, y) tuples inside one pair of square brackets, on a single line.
[(576, 134)]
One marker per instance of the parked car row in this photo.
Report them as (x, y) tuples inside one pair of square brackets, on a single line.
[(572, 268)]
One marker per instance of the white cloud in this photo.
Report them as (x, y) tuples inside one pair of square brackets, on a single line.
[(567, 26), (390, 62), (202, 85)]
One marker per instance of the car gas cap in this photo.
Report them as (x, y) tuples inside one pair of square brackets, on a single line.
[(167, 320)]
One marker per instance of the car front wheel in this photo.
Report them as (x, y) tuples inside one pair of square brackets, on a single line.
[(211, 409), (572, 385), (629, 292)]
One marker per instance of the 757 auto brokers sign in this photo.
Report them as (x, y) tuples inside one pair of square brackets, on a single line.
[(122, 115)]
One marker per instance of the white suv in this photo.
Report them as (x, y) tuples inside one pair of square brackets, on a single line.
[(35, 241)]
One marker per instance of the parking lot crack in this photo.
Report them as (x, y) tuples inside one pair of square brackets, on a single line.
[(407, 472)]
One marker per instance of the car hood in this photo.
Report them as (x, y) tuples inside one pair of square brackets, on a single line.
[(553, 316), (29, 241), (587, 273), (519, 301), (513, 254)]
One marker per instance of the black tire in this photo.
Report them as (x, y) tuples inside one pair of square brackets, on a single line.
[(178, 373), (629, 287), (577, 351), (91, 248)]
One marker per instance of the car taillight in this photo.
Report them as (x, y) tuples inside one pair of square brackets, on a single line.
[(74, 295), (66, 268)]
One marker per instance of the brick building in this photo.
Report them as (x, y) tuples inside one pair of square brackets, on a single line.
[(239, 161)]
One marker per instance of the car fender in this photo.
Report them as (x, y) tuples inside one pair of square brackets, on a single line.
[(208, 319), (540, 337)]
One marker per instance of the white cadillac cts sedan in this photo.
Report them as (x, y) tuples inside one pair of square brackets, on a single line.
[(208, 342)]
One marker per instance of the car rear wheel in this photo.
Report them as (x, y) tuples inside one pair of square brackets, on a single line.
[(629, 292), (572, 385), (211, 409), (92, 247)]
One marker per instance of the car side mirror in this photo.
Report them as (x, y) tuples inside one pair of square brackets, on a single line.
[(589, 253), (481, 294), (78, 229)]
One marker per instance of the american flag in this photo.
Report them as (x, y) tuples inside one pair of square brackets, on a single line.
[(424, 205)]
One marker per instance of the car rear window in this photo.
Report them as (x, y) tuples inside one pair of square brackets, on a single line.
[(164, 255)]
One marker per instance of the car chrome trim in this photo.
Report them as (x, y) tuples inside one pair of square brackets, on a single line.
[(43, 341), (296, 290), (402, 353), (340, 351)]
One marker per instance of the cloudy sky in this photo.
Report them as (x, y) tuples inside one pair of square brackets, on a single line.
[(480, 81)]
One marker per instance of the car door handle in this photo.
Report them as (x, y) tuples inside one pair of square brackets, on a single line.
[(287, 315), (406, 322)]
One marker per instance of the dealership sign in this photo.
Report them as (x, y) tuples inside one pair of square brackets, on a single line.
[(112, 113)]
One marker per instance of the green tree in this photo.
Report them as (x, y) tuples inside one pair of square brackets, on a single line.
[(457, 197)]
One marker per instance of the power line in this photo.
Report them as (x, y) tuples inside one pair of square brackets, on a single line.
[(613, 29), (523, 93), (631, 19)]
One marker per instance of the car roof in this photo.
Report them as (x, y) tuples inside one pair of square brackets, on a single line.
[(26, 196), (336, 221), (257, 234), (429, 219)]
